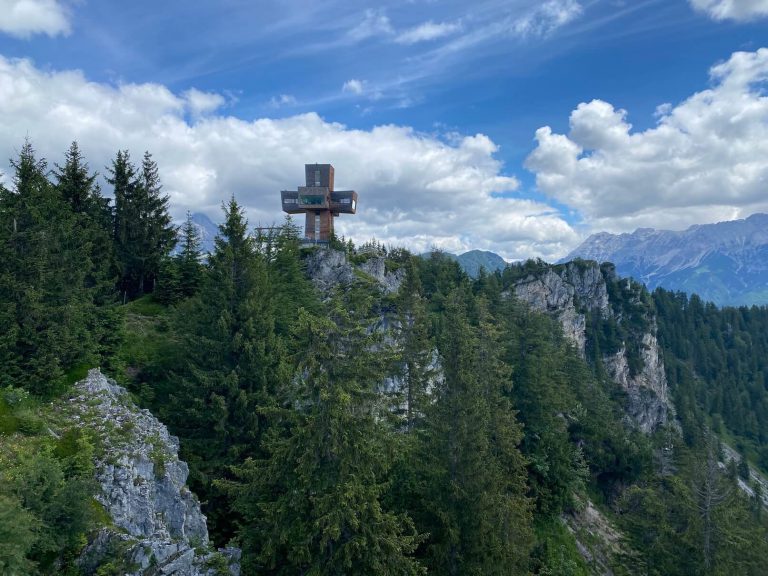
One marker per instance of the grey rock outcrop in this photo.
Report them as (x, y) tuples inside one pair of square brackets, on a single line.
[(568, 292), (566, 295), (328, 269), (156, 523)]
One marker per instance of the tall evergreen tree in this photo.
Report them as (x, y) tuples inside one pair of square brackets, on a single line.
[(473, 500), (416, 357), (158, 234), (143, 230), (47, 305), (189, 258), (314, 505), (232, 362)]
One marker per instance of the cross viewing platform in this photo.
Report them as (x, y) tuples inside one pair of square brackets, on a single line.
[(319, 201)]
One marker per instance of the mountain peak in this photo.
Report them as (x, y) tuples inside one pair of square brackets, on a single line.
[(726, 262)]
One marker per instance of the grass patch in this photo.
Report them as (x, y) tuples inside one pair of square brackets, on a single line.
[(145, 306)]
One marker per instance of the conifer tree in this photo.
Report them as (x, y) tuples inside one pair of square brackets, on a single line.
[(472, 502), (143, 231), (314, 504), (417, 348), (158, 234), (189, 258), (232, 362), (46, 308)]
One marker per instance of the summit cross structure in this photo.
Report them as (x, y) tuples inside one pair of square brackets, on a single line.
[(319, 201)]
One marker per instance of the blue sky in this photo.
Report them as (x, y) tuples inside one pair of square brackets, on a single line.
[(436, 111)]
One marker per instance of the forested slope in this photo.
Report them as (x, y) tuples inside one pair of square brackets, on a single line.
[(348, 411)]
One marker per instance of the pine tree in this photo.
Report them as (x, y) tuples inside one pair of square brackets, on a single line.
[(473, 503), (232, 363), (92, 239), (416, 356), (143, 231), (126, 222), (43, 281), (158, 234), (314, 504), (189, 258)]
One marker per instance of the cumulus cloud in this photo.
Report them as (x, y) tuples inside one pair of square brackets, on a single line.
[(353, 86), (374, 23), (24, 18), (546, 18), (282, 100), (427, 31), (738, 10), (415, 189), (200, 103), (705, 160)]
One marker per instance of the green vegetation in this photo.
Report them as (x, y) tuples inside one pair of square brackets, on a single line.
[(479, 461)]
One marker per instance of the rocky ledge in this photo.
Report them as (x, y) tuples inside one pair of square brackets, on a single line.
[(156, 526)]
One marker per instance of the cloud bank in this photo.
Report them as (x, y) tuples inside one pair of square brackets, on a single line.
[(738, 10), (705, 160), (24, 18), (415, 189)]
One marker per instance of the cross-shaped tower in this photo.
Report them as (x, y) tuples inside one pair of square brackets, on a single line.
[(319, 201)]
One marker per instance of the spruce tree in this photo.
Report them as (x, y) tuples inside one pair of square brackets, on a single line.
[(47, 305), (189, 258), (472, 500), (416, 368), (314, 504), (143, 231), (158, 234), (231, 363)]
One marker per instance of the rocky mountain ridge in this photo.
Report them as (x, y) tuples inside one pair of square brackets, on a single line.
[(572, 291), (726, 263), (156, 526)]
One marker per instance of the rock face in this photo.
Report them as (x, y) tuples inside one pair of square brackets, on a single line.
[(330, 268), (568, 292), (157, 526), (566, 295)]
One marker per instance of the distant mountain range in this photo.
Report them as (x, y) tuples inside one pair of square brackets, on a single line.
[(725, 263), (472, 261)]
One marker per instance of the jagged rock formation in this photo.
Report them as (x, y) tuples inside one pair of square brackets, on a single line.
[(156, 523), (598, 539), (330, 268), (567, 295), (726, 262), (568, 292)]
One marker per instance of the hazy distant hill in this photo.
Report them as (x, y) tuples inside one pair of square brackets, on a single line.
[(472, 261), (726, 263)]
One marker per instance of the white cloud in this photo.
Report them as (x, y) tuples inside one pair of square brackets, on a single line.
[(546, 18), (201, 103), (705, 160), (282, 100), (415, 189), (739, 10), (353, 86), (374, 23), (427, 31), (23, 18)]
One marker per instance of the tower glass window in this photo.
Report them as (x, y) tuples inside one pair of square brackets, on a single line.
[(317, 177)]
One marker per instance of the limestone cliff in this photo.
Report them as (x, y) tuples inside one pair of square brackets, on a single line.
[(330, 268), (155, 524), (569, 292)]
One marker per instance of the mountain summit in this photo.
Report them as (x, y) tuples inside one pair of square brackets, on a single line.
[(726, 263)]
